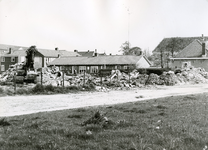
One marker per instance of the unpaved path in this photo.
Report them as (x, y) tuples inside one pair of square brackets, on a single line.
[(19, 105)]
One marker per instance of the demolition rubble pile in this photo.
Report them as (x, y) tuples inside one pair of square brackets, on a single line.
[(8, 75), (117, 79)]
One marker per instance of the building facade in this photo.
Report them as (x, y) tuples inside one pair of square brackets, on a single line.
[(195, 54), (16, 54), (73, 65)]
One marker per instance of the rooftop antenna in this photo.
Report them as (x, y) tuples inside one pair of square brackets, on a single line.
[(128, 21)]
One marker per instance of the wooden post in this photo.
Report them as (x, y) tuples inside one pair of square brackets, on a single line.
[(101, 82), (84, 78), (63, 78), (15, 85), (129, 75), (117, 75), (41, 78)]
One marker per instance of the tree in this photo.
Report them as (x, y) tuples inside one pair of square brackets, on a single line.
[(171, 46), (30, 54), (126, 50)]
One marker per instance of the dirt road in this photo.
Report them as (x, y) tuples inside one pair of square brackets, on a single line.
[(19, 105)]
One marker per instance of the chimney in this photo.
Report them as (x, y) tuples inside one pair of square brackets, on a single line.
[(203, 47), (10, 50), (56, 48), (96, 53)]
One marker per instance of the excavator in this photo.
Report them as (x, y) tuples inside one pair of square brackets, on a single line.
[(26, 73)]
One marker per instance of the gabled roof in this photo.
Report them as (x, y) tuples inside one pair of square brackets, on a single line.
[(86, 53), (102, 54), (15, 53), (194, 49), (104, 60), (56, 53), (68, 53), (13, 47), (179, 43), (48, 53)]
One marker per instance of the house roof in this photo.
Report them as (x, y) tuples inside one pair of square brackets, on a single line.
[(13, 47), (68, 53), (179, 43), (194, 49), (86, 53), (104, 60), (102, 54), (56, 53), (15, 53), (48, 53), (20, 51)]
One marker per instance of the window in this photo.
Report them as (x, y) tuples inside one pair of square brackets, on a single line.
[(186, 64), (82, 69), (125, 67), (62, 68), (12, 59), (2, 68), (94, 69), (2, 59)]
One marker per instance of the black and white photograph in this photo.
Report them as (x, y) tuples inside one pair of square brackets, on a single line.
[(103, 74)]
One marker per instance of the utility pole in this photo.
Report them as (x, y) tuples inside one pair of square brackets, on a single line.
[(161, 58)]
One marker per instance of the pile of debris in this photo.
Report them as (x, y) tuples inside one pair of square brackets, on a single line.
[(117, 79), (8, 75)]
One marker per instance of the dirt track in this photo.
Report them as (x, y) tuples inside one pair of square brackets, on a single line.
[(19, 105)]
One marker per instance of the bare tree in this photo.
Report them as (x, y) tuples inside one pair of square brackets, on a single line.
[(171, 46)]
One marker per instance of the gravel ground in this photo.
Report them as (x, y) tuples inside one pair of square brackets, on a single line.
[(19, 105)]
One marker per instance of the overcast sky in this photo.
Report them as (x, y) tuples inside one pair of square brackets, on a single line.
[(100, 24)]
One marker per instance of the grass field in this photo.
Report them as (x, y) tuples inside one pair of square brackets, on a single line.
[(172, 123)]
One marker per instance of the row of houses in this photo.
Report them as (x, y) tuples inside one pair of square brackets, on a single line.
[(10, 55), (70, 61), (190, 51)]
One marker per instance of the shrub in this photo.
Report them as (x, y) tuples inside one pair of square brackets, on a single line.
[(9, 91), (89, 87), (4, 123), (49, 88), (38, 88), (1, 90), (73, 87), (22, 91)]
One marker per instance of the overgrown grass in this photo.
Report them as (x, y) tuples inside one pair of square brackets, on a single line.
[(45, 89), (173, 123)]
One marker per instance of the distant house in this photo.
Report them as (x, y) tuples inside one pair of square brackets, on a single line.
[(89, 53), (195, 54), (170, 47), (45, 56), (8, 56), (11, 57), (16, 54), (94, 64)]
